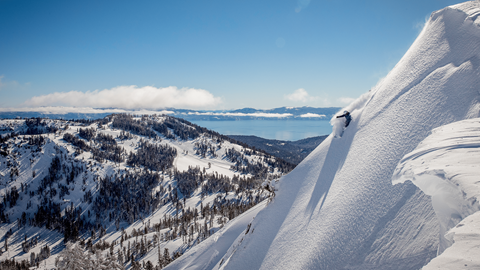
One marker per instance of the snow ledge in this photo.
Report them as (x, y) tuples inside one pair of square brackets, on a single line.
[(446, 166)]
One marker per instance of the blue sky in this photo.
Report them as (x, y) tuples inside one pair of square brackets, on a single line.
[(201, 54)]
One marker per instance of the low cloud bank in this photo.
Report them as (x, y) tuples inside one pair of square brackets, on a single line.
[(130, 97), (313, 115), (83, 110)]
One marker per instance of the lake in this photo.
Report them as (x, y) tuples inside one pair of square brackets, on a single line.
[(287, 130)]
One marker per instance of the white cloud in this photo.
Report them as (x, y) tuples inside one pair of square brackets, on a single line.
[(300, 95), (130, 97), (313, 115), (65, 110)]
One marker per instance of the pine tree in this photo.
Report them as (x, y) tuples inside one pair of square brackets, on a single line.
[(73, 258), (136, 265), (120, 257), (166, 256), (32, 258), (160, 258), (149, 265), (106, 263)]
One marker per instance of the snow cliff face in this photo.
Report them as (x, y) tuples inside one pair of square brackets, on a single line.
[(446, 167), (338, 209)]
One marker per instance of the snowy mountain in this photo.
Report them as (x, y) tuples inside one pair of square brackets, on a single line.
[(399, 189), (133, 189)]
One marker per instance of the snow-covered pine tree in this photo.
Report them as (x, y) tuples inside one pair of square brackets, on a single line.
[(73, 258)]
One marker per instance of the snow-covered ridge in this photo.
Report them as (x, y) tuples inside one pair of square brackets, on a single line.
[(339, 209), (108, 182)]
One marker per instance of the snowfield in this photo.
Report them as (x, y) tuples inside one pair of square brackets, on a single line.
[(339, 209)]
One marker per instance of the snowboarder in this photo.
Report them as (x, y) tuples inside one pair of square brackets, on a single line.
[(347, 116)]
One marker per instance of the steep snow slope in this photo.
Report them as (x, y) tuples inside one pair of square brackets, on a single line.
[(338, 209)]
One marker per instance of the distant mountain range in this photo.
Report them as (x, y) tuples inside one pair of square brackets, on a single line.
[(296, 113)]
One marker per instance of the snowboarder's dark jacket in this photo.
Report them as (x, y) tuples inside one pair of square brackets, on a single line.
[(348, 118)]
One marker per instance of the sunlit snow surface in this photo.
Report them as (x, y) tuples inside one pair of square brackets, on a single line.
[(446, 166), (339, 209)]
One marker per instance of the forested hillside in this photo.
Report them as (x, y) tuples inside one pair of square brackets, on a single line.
[(291, 151), (137, 191)]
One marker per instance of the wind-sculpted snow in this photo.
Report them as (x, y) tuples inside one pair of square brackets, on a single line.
[(446, 167), (338, 209)]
